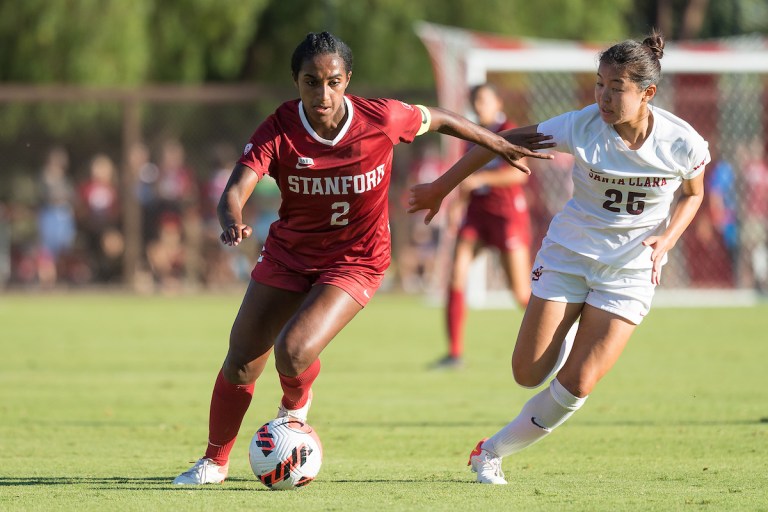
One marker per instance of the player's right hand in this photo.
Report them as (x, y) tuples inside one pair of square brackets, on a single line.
[(527, 145), (425, 196), (235, 233)]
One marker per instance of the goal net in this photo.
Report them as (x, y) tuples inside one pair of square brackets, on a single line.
[(719, 86)]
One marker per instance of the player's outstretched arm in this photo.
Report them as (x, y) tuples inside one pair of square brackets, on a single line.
[(449, 123), (239, 187), (429, 196)]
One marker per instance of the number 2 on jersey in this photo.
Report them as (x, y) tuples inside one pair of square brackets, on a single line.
[(341, 209), (635, 205)]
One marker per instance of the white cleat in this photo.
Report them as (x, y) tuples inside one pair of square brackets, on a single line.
[(205, 471), (299, 414), (486, 465)]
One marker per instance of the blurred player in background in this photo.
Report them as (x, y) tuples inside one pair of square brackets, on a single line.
[(496, 216), (602, 257), (324, 258)]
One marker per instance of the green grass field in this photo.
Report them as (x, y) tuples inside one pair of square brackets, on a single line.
[(104, 399)]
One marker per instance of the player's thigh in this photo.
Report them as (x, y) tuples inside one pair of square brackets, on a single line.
[(326, 310), (263, 313), (599, 342), (543, 329)]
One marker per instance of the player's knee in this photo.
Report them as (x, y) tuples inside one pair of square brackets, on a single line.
[(240, 372), (579, 385), (526, 375), (291, 359)]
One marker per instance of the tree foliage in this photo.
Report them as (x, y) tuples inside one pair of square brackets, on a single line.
[(120, 42)]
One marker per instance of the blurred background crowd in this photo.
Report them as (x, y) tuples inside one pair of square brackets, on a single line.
[(120, 123)]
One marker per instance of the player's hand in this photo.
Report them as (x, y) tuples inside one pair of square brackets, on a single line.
[(526, 145), (235, 233), (425, 196), (660, 246)]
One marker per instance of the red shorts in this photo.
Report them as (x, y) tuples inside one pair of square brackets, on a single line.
[(358, 282), (503, 233)]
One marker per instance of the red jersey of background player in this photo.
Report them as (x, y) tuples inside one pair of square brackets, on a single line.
[(501, 201), (334, 192)]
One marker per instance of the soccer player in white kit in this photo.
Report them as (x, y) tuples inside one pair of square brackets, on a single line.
[(603, 253)]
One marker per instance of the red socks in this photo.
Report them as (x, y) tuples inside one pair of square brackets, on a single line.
[(296, 389), (455, 314), (229, 404)]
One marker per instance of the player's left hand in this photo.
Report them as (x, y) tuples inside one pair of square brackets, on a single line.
[(660, 246), (425, 196)]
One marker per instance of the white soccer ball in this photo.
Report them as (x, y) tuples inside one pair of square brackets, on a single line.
[(285, 453)]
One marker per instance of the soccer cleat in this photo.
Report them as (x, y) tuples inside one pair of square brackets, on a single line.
[(205, 471), (486, 465), (300, 413), (448, 362)]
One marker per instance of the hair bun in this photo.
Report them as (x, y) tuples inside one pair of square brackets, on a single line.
[(655, 42)]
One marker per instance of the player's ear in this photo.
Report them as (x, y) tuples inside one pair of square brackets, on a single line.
[(650, 92), (349, 78)]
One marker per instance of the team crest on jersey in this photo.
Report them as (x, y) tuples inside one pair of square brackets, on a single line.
[(247, 148), (536, 274), (304, 162)]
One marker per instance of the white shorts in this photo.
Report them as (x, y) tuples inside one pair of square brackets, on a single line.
[(562, 275)]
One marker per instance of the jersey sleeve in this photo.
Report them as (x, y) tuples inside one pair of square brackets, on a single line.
[(560, 128), (261, 151), (698, 157), (401, 120)]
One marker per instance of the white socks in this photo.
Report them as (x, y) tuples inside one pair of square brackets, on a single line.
[(565, 351), (540, 415)]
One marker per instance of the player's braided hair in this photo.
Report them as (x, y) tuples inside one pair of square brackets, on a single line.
[(640, 60), (321, 43)]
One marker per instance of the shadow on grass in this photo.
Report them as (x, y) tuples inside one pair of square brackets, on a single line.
[(494, 425), (164, 483)]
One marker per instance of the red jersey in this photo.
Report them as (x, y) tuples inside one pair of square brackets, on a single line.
[(334, 192), (505, 201)]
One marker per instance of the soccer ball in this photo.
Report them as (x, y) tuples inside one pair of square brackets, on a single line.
[(285, 453)]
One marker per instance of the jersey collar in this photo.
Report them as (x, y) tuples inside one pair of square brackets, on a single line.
[(314, 134)]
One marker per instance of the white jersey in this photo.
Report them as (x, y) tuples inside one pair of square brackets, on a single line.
[(621, 196)]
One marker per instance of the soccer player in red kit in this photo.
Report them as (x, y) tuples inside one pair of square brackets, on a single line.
[(324, 258), (497, 217)]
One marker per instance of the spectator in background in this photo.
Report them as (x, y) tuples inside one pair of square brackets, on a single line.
[(56, 217), (99, 219), (179, 226), (415, 263), (723, 204), (754, 232), (166, 254), (219, 264), (5, 244), (496, 216), (146, 174)]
